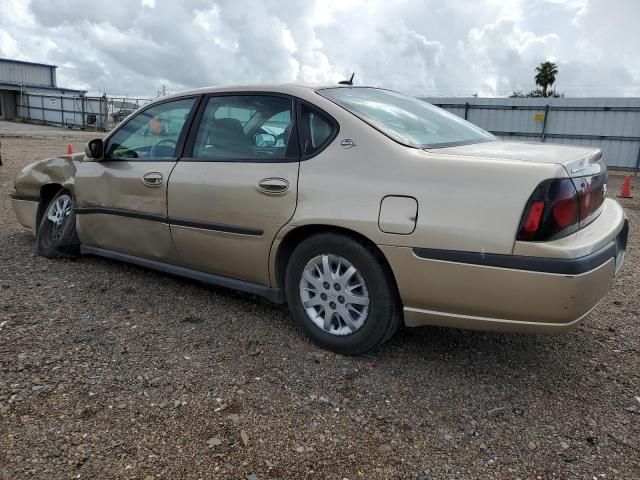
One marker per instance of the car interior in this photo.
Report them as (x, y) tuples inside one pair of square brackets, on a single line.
[(244, 127)]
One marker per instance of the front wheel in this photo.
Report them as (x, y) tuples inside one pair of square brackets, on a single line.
[(341, 294), (57, 236)]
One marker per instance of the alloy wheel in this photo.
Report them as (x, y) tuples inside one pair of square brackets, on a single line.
[(334, 294), (57, 214)]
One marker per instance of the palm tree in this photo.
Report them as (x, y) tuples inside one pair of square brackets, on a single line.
[(546, 75)]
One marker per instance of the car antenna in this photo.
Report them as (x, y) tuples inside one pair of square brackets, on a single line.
[(347, 82)]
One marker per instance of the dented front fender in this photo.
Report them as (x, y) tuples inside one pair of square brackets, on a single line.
[(58, 170)]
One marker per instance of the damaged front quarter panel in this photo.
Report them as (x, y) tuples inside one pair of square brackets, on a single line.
[(58, 170)]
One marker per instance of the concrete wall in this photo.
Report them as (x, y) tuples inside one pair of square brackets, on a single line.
[(612, 124)]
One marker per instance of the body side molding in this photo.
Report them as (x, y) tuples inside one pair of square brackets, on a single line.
[(25, 198), (563, 266), (217, 227), (120, 212)]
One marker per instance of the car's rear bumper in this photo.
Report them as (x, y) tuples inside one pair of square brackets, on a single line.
[(26, 210), (505, 292)]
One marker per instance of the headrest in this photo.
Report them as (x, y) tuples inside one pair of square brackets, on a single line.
[(226, 132)]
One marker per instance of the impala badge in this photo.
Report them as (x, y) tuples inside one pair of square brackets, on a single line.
[(604, 190), (347, 143)]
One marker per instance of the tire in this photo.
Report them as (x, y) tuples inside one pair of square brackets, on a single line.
[(58, 240), (355, 336)]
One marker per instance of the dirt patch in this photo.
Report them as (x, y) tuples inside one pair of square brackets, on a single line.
[(111, 371)]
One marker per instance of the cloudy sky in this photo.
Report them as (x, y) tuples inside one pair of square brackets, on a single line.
[(427, 47)]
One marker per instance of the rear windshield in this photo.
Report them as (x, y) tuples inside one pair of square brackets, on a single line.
[(406, 119)]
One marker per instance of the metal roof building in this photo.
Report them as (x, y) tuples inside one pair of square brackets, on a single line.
[(18, 77)]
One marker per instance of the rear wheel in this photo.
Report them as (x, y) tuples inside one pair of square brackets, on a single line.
[(57, 236), (341, 294)]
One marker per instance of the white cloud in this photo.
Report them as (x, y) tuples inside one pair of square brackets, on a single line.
[(8, 46), (424, 47)]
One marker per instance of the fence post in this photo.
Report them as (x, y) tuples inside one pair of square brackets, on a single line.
[(105, 112), (547, 111), (466, 110), (83, 103), (637, 169)]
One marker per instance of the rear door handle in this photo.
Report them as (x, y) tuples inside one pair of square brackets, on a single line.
[(152, 179), (273, 185)]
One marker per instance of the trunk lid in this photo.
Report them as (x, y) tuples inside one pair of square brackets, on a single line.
[(584, 166), (578, 161)]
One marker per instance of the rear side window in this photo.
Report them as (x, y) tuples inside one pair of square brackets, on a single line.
[(247, 128), (316, 131)]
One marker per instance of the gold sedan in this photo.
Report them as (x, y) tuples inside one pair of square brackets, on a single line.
[(361, 208)]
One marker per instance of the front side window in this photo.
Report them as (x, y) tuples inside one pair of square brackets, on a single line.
[(245, 127), (152, 133), (406, 119)]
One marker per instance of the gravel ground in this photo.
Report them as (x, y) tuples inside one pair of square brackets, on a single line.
[(112, 371)]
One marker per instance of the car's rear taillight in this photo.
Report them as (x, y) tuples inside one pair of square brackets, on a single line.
[(561, 206), (592, 191), (558, 201), (534, 216), (565, 212)]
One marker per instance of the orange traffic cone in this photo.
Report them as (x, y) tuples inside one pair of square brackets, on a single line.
[(69, 149), (625, 191)]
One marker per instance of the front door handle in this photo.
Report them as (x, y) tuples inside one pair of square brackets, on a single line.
[(273, 185), (152, 179)]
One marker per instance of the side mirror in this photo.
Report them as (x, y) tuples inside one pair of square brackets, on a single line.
[(94, 150), (264, 140)]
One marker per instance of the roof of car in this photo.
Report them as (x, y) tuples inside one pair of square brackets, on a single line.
[(289, 88)]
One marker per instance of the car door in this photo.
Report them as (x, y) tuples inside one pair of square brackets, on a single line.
[(236, 185), (122, 199)]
